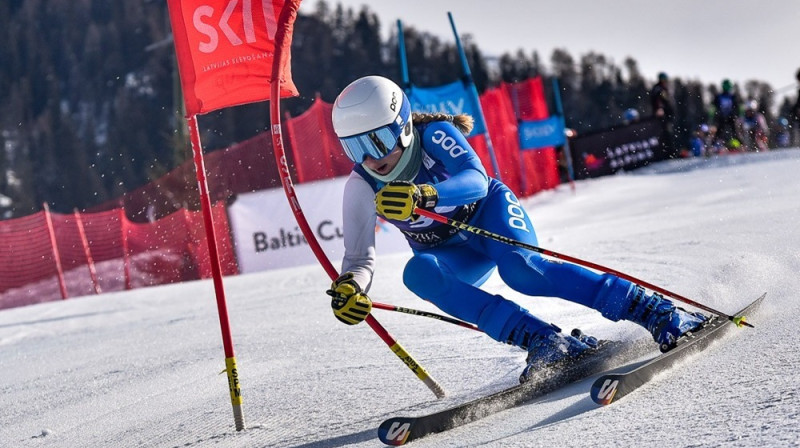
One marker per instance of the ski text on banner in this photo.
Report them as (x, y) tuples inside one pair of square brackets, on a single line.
[(225, 50)]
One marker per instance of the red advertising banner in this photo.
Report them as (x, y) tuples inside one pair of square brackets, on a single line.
[(225, 50)]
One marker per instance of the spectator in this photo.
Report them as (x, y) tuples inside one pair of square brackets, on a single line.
[(783, 138), (699, 143), (755, 127), (664, 110), (630, 116), (726, 115), (795, 118)]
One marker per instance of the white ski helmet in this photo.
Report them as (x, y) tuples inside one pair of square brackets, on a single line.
[(370, 116)]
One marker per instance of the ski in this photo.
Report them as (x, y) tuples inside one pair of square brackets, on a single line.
[(610, 387), (397, 431)]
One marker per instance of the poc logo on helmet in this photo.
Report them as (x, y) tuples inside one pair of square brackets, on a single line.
[(393, 106), (448, 144)]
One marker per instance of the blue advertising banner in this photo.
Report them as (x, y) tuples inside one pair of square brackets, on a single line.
[(453, 99), (541, 133)]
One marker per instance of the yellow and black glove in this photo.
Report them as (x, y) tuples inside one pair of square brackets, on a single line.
[(398, 199), (350, 304)]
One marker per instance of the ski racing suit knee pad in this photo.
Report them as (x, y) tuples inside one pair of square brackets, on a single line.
[(425, 277)]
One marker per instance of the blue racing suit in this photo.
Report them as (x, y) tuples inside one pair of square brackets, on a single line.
[(448, 265)]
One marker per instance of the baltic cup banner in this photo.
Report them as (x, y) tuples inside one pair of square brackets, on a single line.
[(453, 99), (266, 235), (225, 50)]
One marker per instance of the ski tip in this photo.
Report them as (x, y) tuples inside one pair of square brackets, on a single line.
[(740, 320), (604, 389), (395, 431)]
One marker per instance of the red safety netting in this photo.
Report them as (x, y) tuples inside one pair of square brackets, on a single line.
[(503, 129), (244, 167), (112, 254), (316, 150), (151, 235), (530, 104), (199, 249), (26, 254), (480, 145), (528, 98), (103, 237)]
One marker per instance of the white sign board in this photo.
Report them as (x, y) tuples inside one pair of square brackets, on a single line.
[(266, 234)]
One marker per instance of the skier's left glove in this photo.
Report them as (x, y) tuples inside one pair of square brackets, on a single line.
[(398, 199), (350, 305)]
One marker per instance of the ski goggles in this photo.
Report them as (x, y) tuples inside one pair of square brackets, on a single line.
[(376, 144)]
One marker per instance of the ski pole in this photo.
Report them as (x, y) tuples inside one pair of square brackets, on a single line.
[(738, 320), (413, 312)]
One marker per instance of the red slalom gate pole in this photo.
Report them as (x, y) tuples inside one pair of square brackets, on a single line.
[(284, 32), (216, 273), (503, 239)]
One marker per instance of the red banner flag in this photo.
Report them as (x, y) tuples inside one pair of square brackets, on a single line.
[(225, 50)]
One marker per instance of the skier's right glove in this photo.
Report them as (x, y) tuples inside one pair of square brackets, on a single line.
[(398, 199), (350, 304)]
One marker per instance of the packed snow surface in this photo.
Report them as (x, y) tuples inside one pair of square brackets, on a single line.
[(142, 368)]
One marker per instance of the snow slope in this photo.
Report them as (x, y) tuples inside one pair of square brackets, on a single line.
[(142, 368)]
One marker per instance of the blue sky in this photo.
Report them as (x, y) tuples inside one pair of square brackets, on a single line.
[(704, 40)]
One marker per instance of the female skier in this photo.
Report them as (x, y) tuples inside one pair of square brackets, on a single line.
[(402, 163)]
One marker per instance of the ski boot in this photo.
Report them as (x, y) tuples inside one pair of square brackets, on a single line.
[(666, 322), (551, 348)]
